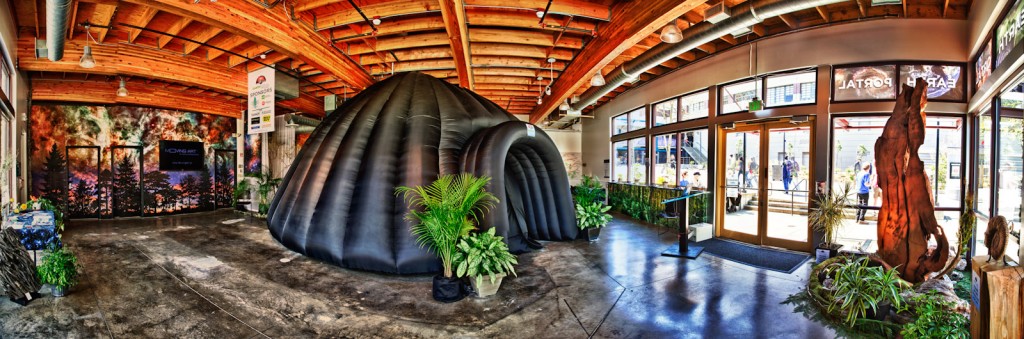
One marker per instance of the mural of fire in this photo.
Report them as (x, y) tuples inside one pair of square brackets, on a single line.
[(104, 160), (253, 154)]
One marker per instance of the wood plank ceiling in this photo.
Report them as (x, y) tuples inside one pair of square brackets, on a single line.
[(507, 51)]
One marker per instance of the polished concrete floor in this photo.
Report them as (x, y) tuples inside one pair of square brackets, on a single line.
[(212, 276)]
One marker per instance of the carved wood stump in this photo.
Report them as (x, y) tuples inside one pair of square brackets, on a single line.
[(907, 218), (17, 270)]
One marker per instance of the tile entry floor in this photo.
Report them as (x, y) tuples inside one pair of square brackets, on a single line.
[(193, 276)]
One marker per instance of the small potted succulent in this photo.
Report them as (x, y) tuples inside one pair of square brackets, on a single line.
[(484, 254), (59, 269), (828, 218), (591, 217)]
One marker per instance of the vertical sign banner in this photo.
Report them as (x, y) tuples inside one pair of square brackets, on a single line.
[(1009, 32), (983, 65), (261, 101)]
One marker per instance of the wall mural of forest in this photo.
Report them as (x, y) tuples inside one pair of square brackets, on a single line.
[(104, 160)]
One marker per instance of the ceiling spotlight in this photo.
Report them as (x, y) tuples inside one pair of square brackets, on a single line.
[(539, 78), (597, 80), (122, 91), (87, 61), (540, 101), (263, 56), (376, 20), (564, 106), (540, 13), (551, 60), (671, 34), (547, 90)]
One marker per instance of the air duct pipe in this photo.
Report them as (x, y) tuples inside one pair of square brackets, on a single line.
[(301, 120), (56, 26), (698, 35)]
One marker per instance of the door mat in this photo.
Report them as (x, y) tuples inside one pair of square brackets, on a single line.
[(760, 257)]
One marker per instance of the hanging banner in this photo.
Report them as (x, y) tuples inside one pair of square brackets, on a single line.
[(1009, 32), (864, 83), (945, 82), (261, 101)]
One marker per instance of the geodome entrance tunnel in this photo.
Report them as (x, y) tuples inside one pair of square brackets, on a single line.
[(337, 202)]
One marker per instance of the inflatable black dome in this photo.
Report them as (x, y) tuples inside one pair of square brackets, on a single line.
[(337, 202)]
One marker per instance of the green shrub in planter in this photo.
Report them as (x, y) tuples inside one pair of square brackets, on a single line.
[(858, 287), (592, 215), (59, 269), (483, 254), (936, 320), (589, 190)]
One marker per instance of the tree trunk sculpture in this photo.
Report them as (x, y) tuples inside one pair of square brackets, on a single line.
[(907, 219)]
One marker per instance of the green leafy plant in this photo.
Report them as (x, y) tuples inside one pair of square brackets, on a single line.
[(241, 191), (445, 211), (481, 254), (935, 320), (592, 215), (589, 189), (829, 214), (698, 209), (967, 223), (59, 267), (858, 286), (265, 183)]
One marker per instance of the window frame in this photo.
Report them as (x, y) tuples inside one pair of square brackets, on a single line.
[(707, 104), (654, 121), (764, 87), (758, 93)]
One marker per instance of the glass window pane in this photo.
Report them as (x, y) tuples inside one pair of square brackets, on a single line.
[(665, 112), (693, 106), (620, 124), (737, 97), (790, 89), (693, 155), (984, 180), (620, 169), (638, 161), (665, 160), (637, 119), (853, 150), (1008, 169)]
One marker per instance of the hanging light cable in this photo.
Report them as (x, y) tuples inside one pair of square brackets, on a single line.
[(87, 60)]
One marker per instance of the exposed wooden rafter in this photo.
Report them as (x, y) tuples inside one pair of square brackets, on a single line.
[(454, 14)]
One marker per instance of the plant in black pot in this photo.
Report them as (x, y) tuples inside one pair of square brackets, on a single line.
[(444, 212), (591, 217), (828, 218), (484, 254), (59, 269)]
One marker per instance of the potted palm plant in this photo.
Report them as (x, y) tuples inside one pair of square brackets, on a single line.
[(444, 212), (265, 183), (241, 195), (828, 218), (59, 269), (484, 254), (591, 217)]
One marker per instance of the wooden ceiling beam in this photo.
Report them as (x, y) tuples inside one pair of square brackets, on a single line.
[(454, 14), (631, 22), (398, 8), (945, 7), (102, 16), (140, 18), (147, 63), (225, 41), (273, 29), (139, 93), (203, 35), (503, 61), (175, 28), (788, 20), (822, 13)]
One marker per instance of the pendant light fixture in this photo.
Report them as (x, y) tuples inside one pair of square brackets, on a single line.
[(122, 91), (597, 80), (671, 34), (87, 60), (564, 106)]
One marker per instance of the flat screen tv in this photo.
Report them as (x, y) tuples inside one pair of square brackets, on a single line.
[(181, 155)]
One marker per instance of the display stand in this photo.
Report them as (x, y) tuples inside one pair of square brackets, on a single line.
[(682, 208)]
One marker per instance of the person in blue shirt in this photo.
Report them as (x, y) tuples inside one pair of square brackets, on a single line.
[(863, 191), (684, 181)]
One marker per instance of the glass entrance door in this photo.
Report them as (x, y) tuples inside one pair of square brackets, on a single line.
[(764, 184)]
